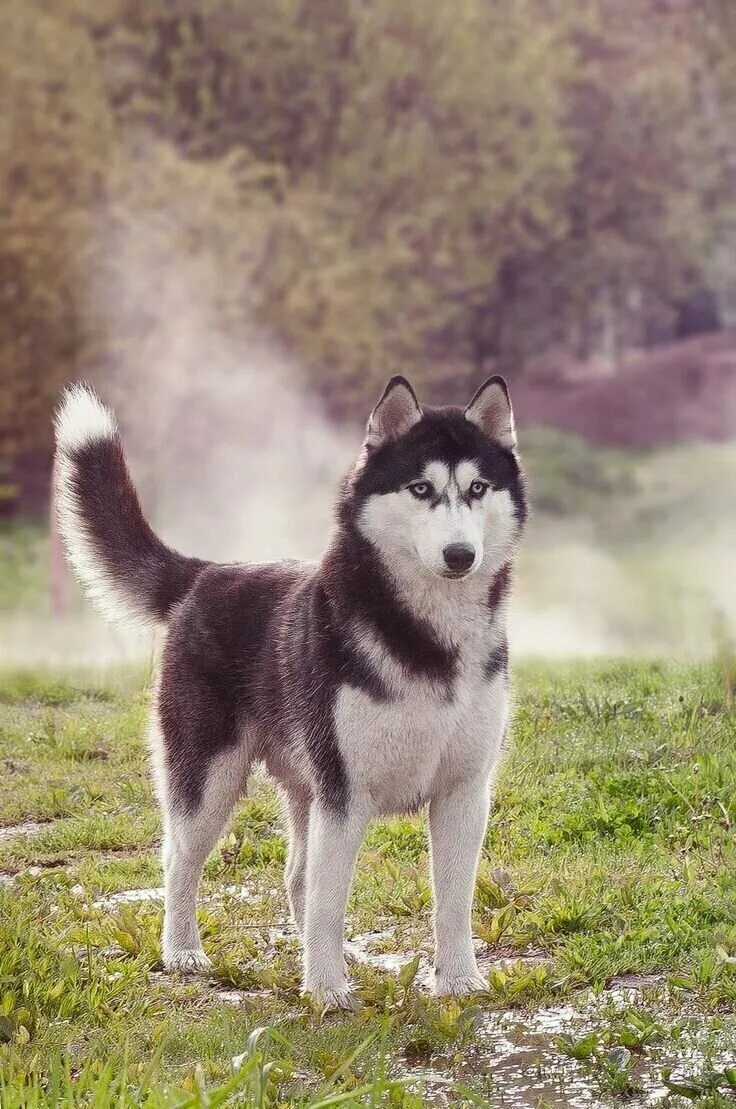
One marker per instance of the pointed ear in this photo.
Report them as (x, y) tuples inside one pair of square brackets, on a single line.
[(396, 413), (490, 410)]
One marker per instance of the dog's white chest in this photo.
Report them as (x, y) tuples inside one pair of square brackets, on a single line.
[(401, 752)]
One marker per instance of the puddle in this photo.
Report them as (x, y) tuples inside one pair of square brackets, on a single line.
[(361, 949), (230, 997), (239, 893), (516, 1053), (126, 897), (240, 997), (27, 828)]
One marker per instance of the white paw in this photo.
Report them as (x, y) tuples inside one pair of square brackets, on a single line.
[(187, 961), (460, 985), (333, 997), (343, 999)]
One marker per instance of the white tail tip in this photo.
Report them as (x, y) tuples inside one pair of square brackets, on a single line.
[(82, 418)]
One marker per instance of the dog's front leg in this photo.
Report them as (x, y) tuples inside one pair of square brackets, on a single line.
[(457, 824), (334, 842)]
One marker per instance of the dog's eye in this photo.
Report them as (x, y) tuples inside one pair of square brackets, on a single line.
[(478, 488), (421, 490)]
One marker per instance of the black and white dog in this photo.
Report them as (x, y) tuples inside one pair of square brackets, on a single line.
[(373, 682)]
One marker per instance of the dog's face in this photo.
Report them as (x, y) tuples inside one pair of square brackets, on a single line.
[(440, 489)]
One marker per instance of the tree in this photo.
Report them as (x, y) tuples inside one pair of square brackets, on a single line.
[(53, 145)]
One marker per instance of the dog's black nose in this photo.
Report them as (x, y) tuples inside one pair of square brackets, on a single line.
[(459, 557)]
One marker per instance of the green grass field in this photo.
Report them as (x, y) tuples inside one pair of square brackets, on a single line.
[(605, 917)]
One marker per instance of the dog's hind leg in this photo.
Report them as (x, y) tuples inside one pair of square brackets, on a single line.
[(299, 803), (190, 835)]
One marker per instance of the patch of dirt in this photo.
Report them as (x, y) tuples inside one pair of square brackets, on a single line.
[(33, 871), (636, 981), (10, 873), (13, 766), (27, 828)]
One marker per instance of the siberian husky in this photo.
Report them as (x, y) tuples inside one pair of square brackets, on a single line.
[(372, 682)]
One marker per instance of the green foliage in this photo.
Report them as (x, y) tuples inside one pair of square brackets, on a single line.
[(569, 477), (568, 901), (24, 559)]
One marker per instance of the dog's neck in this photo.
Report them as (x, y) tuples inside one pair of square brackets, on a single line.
[(410, 602)]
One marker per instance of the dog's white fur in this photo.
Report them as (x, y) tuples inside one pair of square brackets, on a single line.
[(81, 419), (424, 747)]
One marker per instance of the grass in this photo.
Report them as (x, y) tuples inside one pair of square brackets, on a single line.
[(612, 852)]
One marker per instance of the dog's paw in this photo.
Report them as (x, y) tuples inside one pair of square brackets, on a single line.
[(342, 999), (330, 999), (459, 986), (187, 961)]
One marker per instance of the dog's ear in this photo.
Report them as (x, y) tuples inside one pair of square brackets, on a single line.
[(396, 413), (490, 410)]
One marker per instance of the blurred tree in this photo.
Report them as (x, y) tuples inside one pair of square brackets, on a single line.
[(55, 137), (634, 241), (428, 187), (410, 150), (714, 134)]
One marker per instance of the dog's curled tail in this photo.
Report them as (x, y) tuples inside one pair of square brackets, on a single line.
[(125, 568)]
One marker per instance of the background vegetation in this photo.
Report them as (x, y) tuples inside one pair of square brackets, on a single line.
[(374, 186)]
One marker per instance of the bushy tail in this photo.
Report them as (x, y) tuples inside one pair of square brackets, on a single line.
[(127, 571)]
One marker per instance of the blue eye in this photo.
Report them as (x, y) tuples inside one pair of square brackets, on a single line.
[(478, 489), (420, 489)]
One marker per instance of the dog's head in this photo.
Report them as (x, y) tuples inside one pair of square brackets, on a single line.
[(440, 489)]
